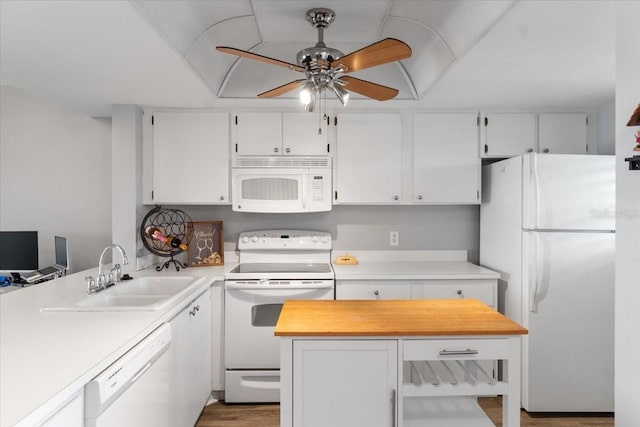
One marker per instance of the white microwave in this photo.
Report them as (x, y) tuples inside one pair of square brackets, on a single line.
[(281, 184)]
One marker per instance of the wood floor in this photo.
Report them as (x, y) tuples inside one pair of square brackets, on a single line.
[(220, 414)]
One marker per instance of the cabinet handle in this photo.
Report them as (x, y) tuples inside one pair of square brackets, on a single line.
[(275, 150), (221, 198), (420, 197), (459, 292), (376, 292), (395, 197), (546, 150), (468, 351), (192, 312), (530, 150), (287, 150)]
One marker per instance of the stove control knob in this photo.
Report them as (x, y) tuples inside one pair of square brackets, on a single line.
[(314, 239), (324, 239), (245, 239), (254, 238)]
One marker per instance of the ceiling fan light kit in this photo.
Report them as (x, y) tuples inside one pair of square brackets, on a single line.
[(324, 66)]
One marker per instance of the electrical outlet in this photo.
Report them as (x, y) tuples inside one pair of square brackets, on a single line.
[(394, 238)]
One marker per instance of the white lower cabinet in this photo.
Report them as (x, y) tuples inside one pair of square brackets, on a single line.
[(191, 361), (375, 289), (403, 382), (485, 290), (344, 383)]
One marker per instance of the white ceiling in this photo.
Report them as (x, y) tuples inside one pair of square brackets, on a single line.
[(466, 54)]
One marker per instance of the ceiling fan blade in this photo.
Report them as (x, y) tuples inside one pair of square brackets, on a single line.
[(281, 89), (387, 50), (371, 90), (256, 57)]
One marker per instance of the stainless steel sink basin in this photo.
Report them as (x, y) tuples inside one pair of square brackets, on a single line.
[(141, 294)]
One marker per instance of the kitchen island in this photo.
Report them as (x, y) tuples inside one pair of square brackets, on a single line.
[(395, 362)]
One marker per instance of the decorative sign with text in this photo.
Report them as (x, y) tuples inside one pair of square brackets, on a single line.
[(206, 248)]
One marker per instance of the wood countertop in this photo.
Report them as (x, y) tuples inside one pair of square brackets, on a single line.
[(393, 318)]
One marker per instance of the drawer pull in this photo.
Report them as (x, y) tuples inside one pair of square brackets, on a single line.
[(457, 352)]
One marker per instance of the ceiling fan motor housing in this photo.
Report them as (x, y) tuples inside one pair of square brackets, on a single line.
[(320, 17)]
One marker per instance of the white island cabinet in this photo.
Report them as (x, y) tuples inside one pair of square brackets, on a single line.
[(395, 363), (191, 365)]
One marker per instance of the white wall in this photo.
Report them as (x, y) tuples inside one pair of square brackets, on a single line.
[(627, 339), (55, 176), (606, 128)]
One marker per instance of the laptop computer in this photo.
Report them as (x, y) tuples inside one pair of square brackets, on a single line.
[(61, 262)]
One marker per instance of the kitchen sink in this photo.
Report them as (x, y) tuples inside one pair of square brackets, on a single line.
[(141, 294)]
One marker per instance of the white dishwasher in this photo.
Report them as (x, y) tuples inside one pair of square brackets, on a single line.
[(134, 390)]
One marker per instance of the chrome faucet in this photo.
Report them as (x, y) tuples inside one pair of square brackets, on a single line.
[(115, 274)]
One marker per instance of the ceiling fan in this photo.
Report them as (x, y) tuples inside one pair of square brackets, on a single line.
[(325, 67)]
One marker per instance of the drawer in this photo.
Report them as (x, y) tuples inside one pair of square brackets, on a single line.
[(456, 349), (373, 291), (483, 292)]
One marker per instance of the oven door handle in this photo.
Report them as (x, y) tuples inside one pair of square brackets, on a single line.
[(264, 285)]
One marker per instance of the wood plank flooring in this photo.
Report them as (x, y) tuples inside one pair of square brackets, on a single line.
[(220, 414)]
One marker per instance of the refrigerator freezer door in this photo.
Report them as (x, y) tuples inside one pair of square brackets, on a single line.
[(568, 303), (568, 192)]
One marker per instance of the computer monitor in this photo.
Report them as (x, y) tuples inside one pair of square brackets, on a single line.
[(62, 252), (18, 251)]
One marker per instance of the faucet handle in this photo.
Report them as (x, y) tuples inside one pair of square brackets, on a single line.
[(102, 280), (91, 284), (116, 271)]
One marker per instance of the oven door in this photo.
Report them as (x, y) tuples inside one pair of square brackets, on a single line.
[(252, 309)]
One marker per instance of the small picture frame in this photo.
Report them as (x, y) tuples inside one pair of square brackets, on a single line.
[(206, 248)]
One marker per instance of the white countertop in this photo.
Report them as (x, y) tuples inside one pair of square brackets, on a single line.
[(410, 265), (45, 357)]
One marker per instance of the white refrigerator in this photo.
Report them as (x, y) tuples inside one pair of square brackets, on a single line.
[(547, 224)]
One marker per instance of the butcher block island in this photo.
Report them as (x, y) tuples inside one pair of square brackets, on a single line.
[(398, 363)]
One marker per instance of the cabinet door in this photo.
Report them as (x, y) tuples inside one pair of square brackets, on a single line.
[(446, 158), (483, 290), (191, 361), (344, 383), (369, 158), (191, 157), (259, 134), (508, 134), (300, 135), (562, 133), (372, 290)]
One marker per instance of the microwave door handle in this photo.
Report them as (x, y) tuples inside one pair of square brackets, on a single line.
[(304, 192)]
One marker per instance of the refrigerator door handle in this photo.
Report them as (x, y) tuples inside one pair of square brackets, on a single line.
[(536, 191), (533, 273)]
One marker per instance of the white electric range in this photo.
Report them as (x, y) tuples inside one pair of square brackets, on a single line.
[(275, 265)]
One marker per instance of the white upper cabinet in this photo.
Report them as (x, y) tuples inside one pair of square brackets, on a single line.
[(368, 167), (276, 134), (300, 136), (190, 157), (563, 133), (446, 158), (508, 134)]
